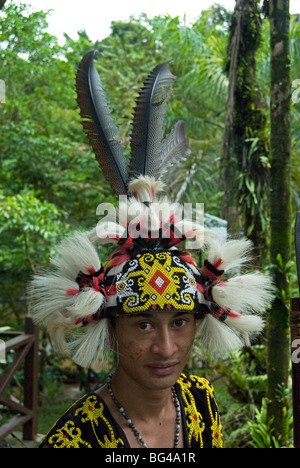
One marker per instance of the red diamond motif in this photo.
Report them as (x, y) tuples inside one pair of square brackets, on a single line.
[(159, 282)]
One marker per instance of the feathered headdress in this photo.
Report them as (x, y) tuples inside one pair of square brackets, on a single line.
[(148, 271)]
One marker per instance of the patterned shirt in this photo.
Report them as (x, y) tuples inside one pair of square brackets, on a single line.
[(89, 423)]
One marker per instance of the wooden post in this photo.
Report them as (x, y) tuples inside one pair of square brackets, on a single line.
[(295, 345), (31, 381), (295, 342)]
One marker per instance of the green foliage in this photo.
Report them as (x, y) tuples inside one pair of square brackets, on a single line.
[(287, 270), (243, 403), (262, 431), (29, 228), (246, 374), (31, 222)]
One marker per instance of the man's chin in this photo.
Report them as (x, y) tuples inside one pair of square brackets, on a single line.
[(161, 377)]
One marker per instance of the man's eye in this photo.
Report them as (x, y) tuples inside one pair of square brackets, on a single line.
[(180, 323), (144, 325)]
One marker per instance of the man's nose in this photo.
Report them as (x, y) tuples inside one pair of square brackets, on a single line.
[(164, 343)]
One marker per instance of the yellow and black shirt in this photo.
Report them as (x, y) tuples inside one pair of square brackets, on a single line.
[(89, 423)]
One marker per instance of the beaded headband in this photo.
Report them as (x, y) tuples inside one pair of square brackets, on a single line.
[(153, 281)]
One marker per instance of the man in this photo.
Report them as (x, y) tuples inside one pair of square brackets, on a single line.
[(152, 352), (149, 300)]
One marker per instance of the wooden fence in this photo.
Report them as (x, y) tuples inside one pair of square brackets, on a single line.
[(26, 350)]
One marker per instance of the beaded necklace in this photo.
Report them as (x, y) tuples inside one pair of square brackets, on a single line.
[(132, 426)]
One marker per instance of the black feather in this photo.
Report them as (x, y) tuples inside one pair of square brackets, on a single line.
[(148, 122), (99, 126), (175, 147)]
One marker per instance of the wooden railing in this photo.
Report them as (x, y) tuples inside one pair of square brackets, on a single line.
[(26, 350)]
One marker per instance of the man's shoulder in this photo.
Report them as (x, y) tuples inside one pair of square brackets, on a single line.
[(72, 412), (194, 382), (68, 430)]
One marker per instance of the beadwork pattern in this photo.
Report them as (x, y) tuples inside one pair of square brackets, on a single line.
[(156, 281)]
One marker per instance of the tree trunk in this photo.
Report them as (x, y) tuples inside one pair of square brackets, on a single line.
[(280, 206), (249, 137), (230, 211), (244, 140), (2, 4)]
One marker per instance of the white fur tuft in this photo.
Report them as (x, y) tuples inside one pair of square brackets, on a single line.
[(250, 324), (222, 338), (217, 337), (89, 349), (247, 293), (145, 188), (233, 253), (49, 299), (248, 296), (57, 303), (107, 231), (86, 303), (75, 254)]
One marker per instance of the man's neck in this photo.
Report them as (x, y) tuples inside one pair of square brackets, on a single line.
[(141, 403)]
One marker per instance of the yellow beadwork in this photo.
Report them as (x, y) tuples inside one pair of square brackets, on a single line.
[(156, 281), (216, 426), (92, 414), (71, 437), (68, 436), (195, 422)]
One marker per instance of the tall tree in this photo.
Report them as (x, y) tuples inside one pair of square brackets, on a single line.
[(245, 142), (280, 206), (230, 205)]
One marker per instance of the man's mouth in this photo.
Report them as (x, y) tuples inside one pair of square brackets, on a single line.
[(162, 368)]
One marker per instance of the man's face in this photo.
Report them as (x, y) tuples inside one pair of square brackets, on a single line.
[(153, 348)]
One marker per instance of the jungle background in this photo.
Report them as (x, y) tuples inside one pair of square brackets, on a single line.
[(50, 184)]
